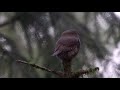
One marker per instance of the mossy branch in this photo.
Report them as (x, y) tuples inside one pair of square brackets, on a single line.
[(62, 74), (82, 72)]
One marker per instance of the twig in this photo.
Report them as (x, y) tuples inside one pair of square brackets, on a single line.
[(60, 74), (81, 72)]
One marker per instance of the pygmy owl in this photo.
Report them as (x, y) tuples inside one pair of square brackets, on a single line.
[(68, 45)]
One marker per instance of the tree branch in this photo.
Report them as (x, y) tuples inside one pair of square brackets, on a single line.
[(81, 72), (67, 68), (60, 74)]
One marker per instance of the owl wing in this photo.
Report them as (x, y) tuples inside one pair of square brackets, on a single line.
[(66, 45)]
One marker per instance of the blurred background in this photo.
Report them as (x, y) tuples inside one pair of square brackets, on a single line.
[(31, 37)]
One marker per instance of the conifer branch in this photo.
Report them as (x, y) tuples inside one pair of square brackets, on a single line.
[(82, 72), (60, 74)]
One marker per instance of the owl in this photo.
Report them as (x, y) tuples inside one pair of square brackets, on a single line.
[(67, 46)]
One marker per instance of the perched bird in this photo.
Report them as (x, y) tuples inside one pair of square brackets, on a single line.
[(68, 45)]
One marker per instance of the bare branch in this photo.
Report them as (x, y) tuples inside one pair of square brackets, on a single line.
[(60, 74)]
